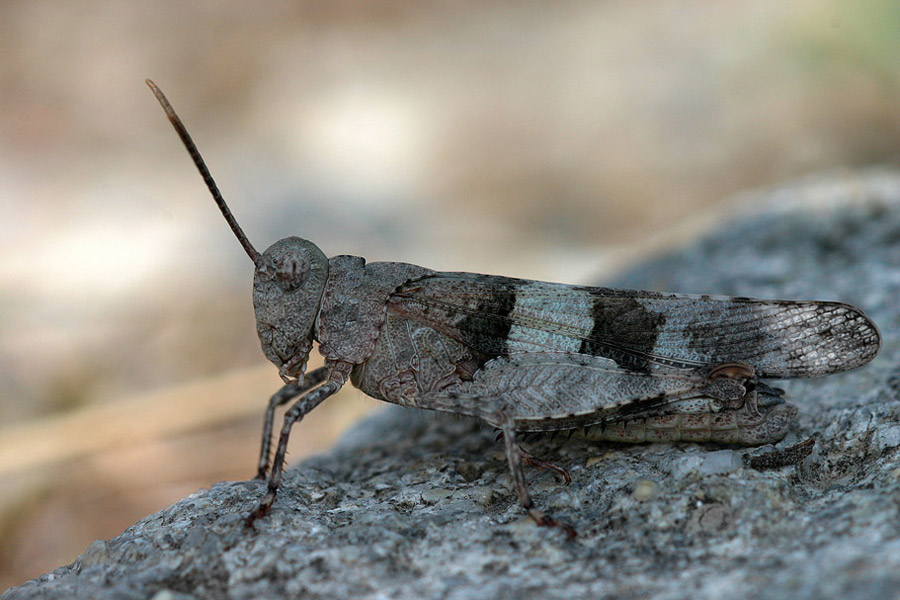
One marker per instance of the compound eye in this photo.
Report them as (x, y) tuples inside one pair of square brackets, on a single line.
[(291, 272)]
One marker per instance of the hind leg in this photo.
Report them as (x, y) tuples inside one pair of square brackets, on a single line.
[(762, 418), (496, 412)]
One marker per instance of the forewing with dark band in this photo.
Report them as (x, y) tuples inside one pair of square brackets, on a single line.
[(639, 330)]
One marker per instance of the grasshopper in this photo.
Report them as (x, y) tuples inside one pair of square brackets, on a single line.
[(529, 356)]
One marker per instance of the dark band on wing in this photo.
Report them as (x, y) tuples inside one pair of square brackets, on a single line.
[(623, 330), (640, 331), (487, 326)]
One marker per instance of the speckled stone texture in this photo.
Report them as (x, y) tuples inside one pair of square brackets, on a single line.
[(416, 505)]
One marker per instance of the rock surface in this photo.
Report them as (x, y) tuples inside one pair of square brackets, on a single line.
[(417, 505)]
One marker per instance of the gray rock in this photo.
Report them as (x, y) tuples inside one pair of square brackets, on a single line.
[(418, 505)]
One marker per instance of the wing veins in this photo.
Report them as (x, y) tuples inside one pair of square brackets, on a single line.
[(569, 331)]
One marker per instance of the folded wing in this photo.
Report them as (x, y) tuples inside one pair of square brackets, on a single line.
[(641, 331)]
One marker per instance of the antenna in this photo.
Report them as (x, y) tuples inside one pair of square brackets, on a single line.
[(204, 171)]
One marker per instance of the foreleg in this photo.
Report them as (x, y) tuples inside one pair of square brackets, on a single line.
[(287, 393), (337, 375)]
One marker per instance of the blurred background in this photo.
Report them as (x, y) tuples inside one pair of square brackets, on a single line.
[(557, 141)]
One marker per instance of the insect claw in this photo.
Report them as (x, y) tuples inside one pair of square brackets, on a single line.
[(252, 517), (544, 520), (262, 510)]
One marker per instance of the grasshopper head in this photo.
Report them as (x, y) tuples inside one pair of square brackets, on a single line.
[(289, 281), (287, 291)]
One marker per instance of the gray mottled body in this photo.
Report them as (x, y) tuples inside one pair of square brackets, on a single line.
[(531, 356), (631, 366)]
